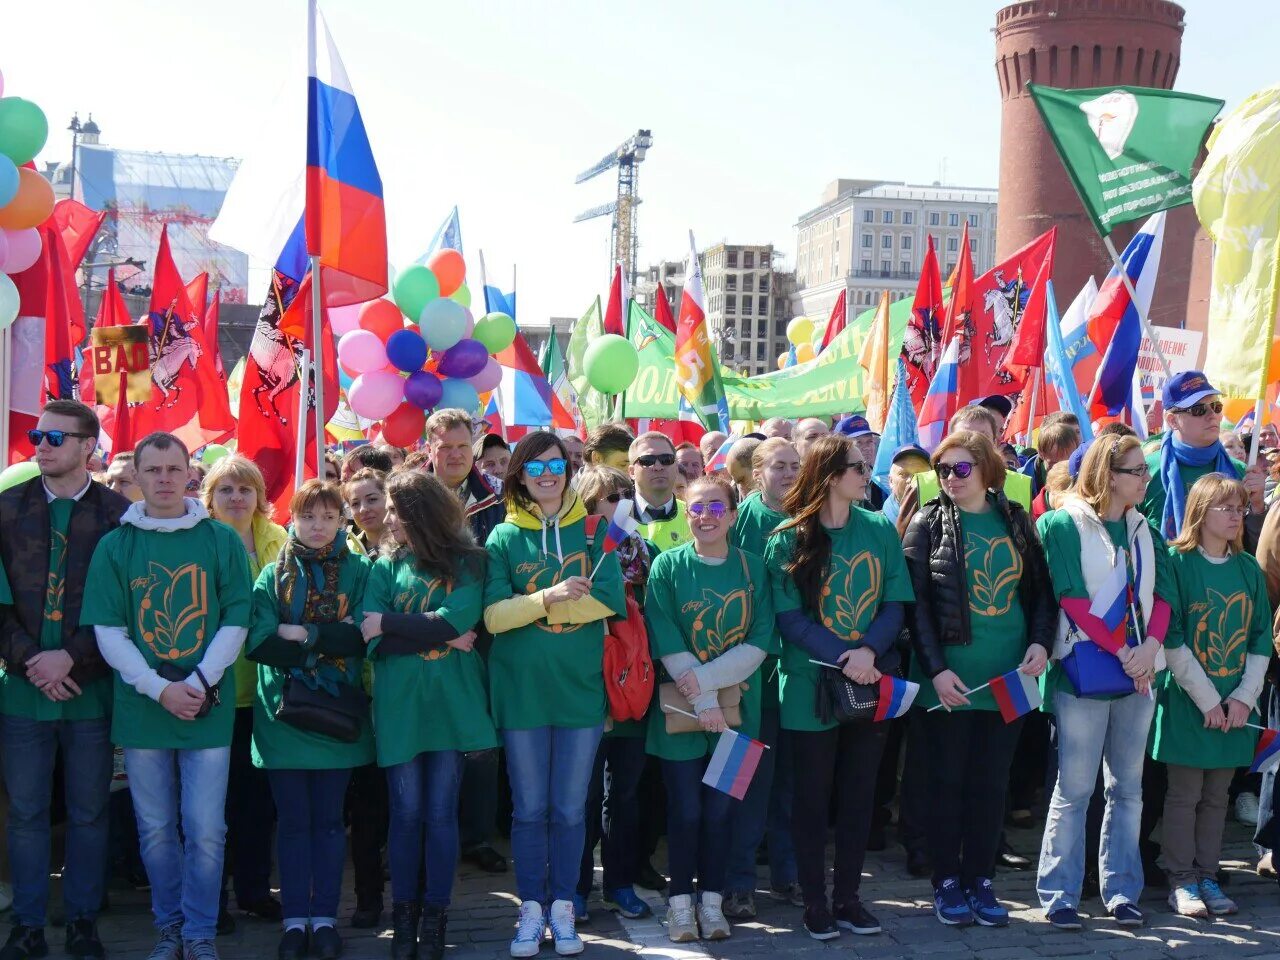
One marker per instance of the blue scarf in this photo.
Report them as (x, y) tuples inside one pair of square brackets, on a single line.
[(1174, 454)]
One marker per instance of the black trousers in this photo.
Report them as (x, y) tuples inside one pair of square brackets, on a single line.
[(368, 814), (914, 804), (842, 761), (251, 817), (478, 800), (969, 755)]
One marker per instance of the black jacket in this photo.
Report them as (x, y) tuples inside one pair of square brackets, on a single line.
[(934, 548)]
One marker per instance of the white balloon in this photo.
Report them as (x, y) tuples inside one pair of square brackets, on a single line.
[(9, 301)]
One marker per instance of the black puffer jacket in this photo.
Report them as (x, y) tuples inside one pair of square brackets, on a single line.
[(934, 548)]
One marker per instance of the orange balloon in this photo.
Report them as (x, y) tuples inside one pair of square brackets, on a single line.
[(450, 270), (804, 353), (32, 204), (1233, 410), (381, 318)]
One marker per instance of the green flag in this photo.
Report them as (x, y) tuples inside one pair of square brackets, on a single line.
[(593, 404), (1127, 150)]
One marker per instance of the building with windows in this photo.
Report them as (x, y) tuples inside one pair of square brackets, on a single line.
[(868, 236)]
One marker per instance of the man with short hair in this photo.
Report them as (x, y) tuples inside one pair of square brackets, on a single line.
[(776, 427), (121, 477), (55, 693), (492, 455), (574, 445), (907, 461), (171, 603), (807, 431), (653, 470), (607, 446), (710, 443), (689, 461), (365, 455)]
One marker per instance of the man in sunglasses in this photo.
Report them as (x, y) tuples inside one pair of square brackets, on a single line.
[(56, 691), (653, 470)]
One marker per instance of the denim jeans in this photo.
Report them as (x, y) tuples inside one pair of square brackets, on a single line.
[(251, 816), (30, 747), (311, 841), (550, 773), (1089, 732), (613, 814), (1267, 836), (764, 814), (184, 789), (423, 795), (698, 828)]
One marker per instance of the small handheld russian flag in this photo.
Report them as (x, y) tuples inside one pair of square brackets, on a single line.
[(1267, 754), (733, 764), (623, 524), (896, 697), (1016, 694), (721, 459), (1112, 601)]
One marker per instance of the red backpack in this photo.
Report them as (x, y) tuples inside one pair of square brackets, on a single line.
[(628, 666)]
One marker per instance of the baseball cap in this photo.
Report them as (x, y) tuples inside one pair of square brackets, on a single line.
[(997, 403), (909, 450), (854, 425), (1186, 389), (1077, 458)]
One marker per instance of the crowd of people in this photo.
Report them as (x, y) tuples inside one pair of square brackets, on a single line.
[(416, 663)]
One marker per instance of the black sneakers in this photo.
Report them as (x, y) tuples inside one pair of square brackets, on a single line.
[(25, 942), (819, 923), (83, 942), (855, 917)]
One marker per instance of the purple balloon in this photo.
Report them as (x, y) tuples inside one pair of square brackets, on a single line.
[(464, 359), (423, 389)]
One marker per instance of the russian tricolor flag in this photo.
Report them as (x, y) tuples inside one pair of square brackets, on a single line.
[(524, 397), (721, 459), (1112, 602), (623, 524), (1016, 694), (896, 697), (1267, 753), (733, 764), (941, 400)]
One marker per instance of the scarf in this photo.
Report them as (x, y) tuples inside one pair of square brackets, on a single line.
[(1174, 454), (307, 592), (634, 557)]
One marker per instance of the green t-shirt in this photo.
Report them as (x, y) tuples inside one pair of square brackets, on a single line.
[(6, 595), (756, 520), (543, 674), (281, 746), (705, 609), (867, 569), (171, 591), (997, 622), (437, 699), (1152, 507), (1223, 615), (18, 696)]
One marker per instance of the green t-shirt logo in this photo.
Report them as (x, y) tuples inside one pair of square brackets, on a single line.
[(995, 571), (545, 574), (851, 594), (1221, 637), (422, 595), (721, 622), (173, 608)]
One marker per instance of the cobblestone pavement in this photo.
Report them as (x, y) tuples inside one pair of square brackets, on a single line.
[(484, 909)]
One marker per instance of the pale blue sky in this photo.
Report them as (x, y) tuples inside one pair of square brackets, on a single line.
[(496, 106)]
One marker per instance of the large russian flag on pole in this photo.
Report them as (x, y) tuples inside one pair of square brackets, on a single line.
[(941, 400)]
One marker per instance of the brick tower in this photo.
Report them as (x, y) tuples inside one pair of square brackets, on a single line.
[(1085, 43)]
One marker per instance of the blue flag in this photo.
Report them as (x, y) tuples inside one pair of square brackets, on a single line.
[(448, 237), (900, 428)]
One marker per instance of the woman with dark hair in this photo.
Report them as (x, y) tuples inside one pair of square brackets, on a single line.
[(839, 584), (366, 496), (548, 591), (430, 705), (983, 607)]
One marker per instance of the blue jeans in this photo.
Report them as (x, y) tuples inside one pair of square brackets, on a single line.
[(550, 773), (764, 814), (423, 795), (311, 841), (190, 786), (698, 819), (1114, 733), (30, 747), (613, 814)]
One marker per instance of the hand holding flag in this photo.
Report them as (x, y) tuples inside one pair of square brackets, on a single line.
[(622, 525)]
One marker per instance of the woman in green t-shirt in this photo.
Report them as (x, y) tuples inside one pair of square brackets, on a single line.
[(430, 705), (305, 642), (983, 607), (366, 496), (1218, 648)]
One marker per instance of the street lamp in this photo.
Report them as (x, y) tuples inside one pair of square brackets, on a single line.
[(75, 127)]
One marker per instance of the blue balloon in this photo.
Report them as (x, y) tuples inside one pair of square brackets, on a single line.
[(407, 350), (8, 180), (458, 394), (344, 378), (443, 322), (423, 389)]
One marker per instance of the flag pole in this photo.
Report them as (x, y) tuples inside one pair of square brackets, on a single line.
[(1133, 298), (484, 283), (668, 708), (943, 706), (300, 446), (317, 360), (1035, 400)]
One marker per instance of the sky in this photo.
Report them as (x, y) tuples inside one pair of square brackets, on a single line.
[(496, 105)]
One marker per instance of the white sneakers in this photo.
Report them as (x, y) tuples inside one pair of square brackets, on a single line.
[(529, 930), (1247, 809), (711, 920), (532, 927), (685, 924), (563, 932)]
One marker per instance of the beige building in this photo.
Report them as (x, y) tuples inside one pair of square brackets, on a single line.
[(868, 236)]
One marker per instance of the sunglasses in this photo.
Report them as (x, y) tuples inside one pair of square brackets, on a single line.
[(862, 467), (961, 468), (55, 437), (1142, 472), (649, 459), (715, 508), (618, 496), (1200, 409), (536, 468)]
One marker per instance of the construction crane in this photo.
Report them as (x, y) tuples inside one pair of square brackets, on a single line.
[(626, 158)]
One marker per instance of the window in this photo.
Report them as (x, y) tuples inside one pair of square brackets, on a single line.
[(837, 250), (904, 266), (763, 286), (867, 240), (733, 258), (953, 244), (780, 327), (866, 266), (748, 281), (764, 260), (762, 328), (748, 259), (747, 305), (884, 268), (973, 245), (886, 241), (868, 216), (973, 219), (953, 219), (905, 241), (951, 268), (835, 269), (908, 217), (761, 347), (730, 303), (934, 219), (837, 223), (731, 281), (887, 217)]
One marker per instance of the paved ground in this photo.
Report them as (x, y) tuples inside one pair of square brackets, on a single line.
[(483, 914)]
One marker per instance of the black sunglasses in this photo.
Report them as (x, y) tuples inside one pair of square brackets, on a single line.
[(649, 459), (1133, 471), (962, 469), (1200, 409), (617, 496), (55, 437), (862, 467)]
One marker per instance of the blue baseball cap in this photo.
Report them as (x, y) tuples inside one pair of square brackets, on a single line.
[(1077, 458), (1186, 389), (855, 425), (909, 450)]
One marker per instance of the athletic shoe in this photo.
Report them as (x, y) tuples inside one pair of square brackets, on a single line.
[(855, 917), (712, 924), (1247, 809), (563, 932), (1219, 904), (1128, 915), (199, 950), (740, 906), (529, 930), (627, 903), (950, 905), (986, 908), (792, 894), (326, 943), (27, 942), (83, 942), (820, 924), (169, 944), (682, 924), (1065, 918), (1186, 901)]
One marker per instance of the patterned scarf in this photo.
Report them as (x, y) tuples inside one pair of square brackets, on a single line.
[(307, 580), (634, 557)]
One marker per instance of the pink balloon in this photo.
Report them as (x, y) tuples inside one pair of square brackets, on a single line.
[(375, 395), (488, 378), (345, 319), (23, 250), (4, 249), (361, 352)]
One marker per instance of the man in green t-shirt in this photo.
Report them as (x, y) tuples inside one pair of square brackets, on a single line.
[(56, 690), (171, 606)]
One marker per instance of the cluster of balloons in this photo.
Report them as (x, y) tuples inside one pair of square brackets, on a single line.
[(806, 337), (26, 198), (404, 357)]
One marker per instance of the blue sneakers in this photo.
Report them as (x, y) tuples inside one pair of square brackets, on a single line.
[(580, 912), (986, 908), (950, 905), (625, 902)]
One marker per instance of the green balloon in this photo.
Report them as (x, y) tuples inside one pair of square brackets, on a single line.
[(414, 289), (611, 363), (213, 453), (496, 331), (462, 295), (18, 473), (23, 129)]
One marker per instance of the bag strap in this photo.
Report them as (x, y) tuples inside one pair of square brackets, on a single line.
[(591, 524)]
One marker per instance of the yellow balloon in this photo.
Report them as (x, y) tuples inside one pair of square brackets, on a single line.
[(800, 330), (804, 353), (782, 361)]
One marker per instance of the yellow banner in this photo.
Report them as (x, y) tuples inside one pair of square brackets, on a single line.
[(117, 351)]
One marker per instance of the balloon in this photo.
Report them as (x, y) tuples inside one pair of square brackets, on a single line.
[(32, 204), (443, 323), (23, 130), (18, 473), (804, 353), (404, 425), (23, 250), (4, 247), (497, 331), (782, 360), (800, 330), (471, 323), (361, 351), (458, 393), (375, 394), (450, 269), (345, 378), (464, 359), (8, 180), (407, 350), (423, 390), (9, 301), (213, 453), (488, 378), (462, 295), (344, 319), (414, 288), (611, 363), (381, 317)]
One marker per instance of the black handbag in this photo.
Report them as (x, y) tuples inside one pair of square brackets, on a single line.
[(176, 674), (840, 700), (339, 717)]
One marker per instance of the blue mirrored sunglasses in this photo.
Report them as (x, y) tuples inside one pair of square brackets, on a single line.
[(536, 468)]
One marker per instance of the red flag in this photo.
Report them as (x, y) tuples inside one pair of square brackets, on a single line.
[(1027, 349), (836, 322), (615, 317), (662, 309), (211, 333), (960, 309), (112, 312), (922, 342), (78, 226), (1020, 424), (198, 294)]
